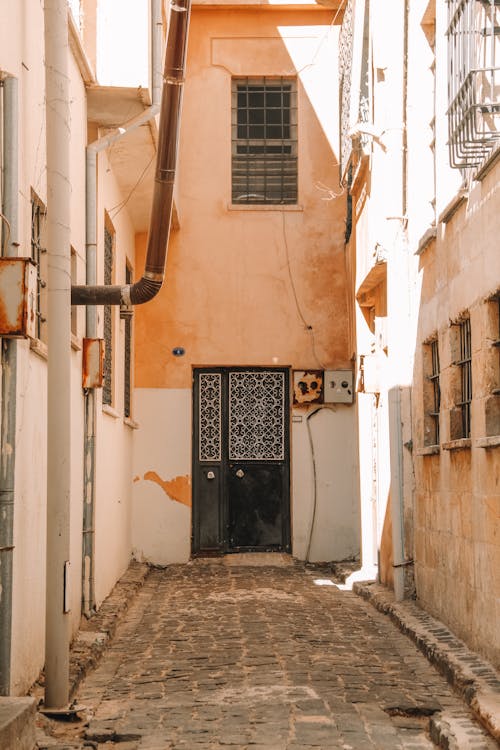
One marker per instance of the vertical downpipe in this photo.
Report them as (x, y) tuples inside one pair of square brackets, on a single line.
[(88, 536), (59, 347), (397, 490), (9, 383)]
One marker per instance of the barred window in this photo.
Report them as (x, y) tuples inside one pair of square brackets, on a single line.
[(465, 367), (264, 140), (491, 367), (39, 255), (107, 390), (474, 80), (432, 393)]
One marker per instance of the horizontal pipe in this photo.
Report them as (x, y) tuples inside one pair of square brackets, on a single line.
[(151, 281)]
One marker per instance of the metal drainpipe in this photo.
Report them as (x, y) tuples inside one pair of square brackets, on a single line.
[(93, 149), (9, 384), (173, 76), (57, 636), (397, 491), (395, 394)]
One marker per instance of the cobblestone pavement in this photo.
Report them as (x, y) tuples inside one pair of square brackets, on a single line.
[(212, 655)]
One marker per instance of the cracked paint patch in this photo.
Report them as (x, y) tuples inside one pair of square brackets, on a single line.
[(177, 489)]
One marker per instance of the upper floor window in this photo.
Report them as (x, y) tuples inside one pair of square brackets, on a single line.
[(474, 80), (491, 367), (264, 140), (461, 423), (39, 255), (432, 392)]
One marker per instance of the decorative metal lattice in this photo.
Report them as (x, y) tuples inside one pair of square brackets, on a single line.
[(210, 416), (256, 416), (345, 75), (474, 80)]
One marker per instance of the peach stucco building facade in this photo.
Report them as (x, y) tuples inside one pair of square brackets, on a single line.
[(249, 285)]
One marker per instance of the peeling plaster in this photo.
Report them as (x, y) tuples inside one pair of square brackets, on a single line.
[(178, 489)]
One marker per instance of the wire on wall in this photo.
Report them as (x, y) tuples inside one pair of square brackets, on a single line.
[(306, 325)]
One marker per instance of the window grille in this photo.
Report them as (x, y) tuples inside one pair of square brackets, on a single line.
[(74, 308), (354, 89), (465, 365), (38, 254), (264, 141), (107, 390), (128, 355), (345, 76), (434, 377), (474, 80)]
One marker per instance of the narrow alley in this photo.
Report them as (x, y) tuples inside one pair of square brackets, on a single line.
[(227, 653)]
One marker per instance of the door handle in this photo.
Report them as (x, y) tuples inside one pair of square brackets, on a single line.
[(210, 475), (240, 473)]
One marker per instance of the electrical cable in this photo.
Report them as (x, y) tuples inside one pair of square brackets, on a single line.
[(315, 489), (321, 41), (307, 326), (124, 202)]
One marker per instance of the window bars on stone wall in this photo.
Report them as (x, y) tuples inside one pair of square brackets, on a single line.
[(436, 390), (465, 365), (473, 80), (264, 141)]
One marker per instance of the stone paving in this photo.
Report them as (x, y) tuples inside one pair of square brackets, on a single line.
[(213, 655)]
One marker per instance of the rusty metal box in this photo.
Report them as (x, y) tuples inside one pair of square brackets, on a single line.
[(307, 387), (18, 295), (92, 363)]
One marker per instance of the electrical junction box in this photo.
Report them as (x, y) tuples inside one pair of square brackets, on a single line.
[(92, 363), (18, 295), (338, 387)]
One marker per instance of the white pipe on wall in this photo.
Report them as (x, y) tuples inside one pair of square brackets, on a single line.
[(10, 199), (397, 494), (93, 149), (59, 347)]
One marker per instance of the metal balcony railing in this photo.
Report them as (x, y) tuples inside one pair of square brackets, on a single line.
[(473, 80)]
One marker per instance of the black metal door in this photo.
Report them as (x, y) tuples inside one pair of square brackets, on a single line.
[(241, 497)]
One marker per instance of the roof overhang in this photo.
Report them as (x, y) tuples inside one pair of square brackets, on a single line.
[(132, 157)]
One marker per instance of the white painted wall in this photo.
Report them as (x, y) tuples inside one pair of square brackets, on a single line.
[(22, 54), (161, 526), (336, 531)]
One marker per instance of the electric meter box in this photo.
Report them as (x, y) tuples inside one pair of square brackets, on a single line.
[(338, 387), (18, 296)]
